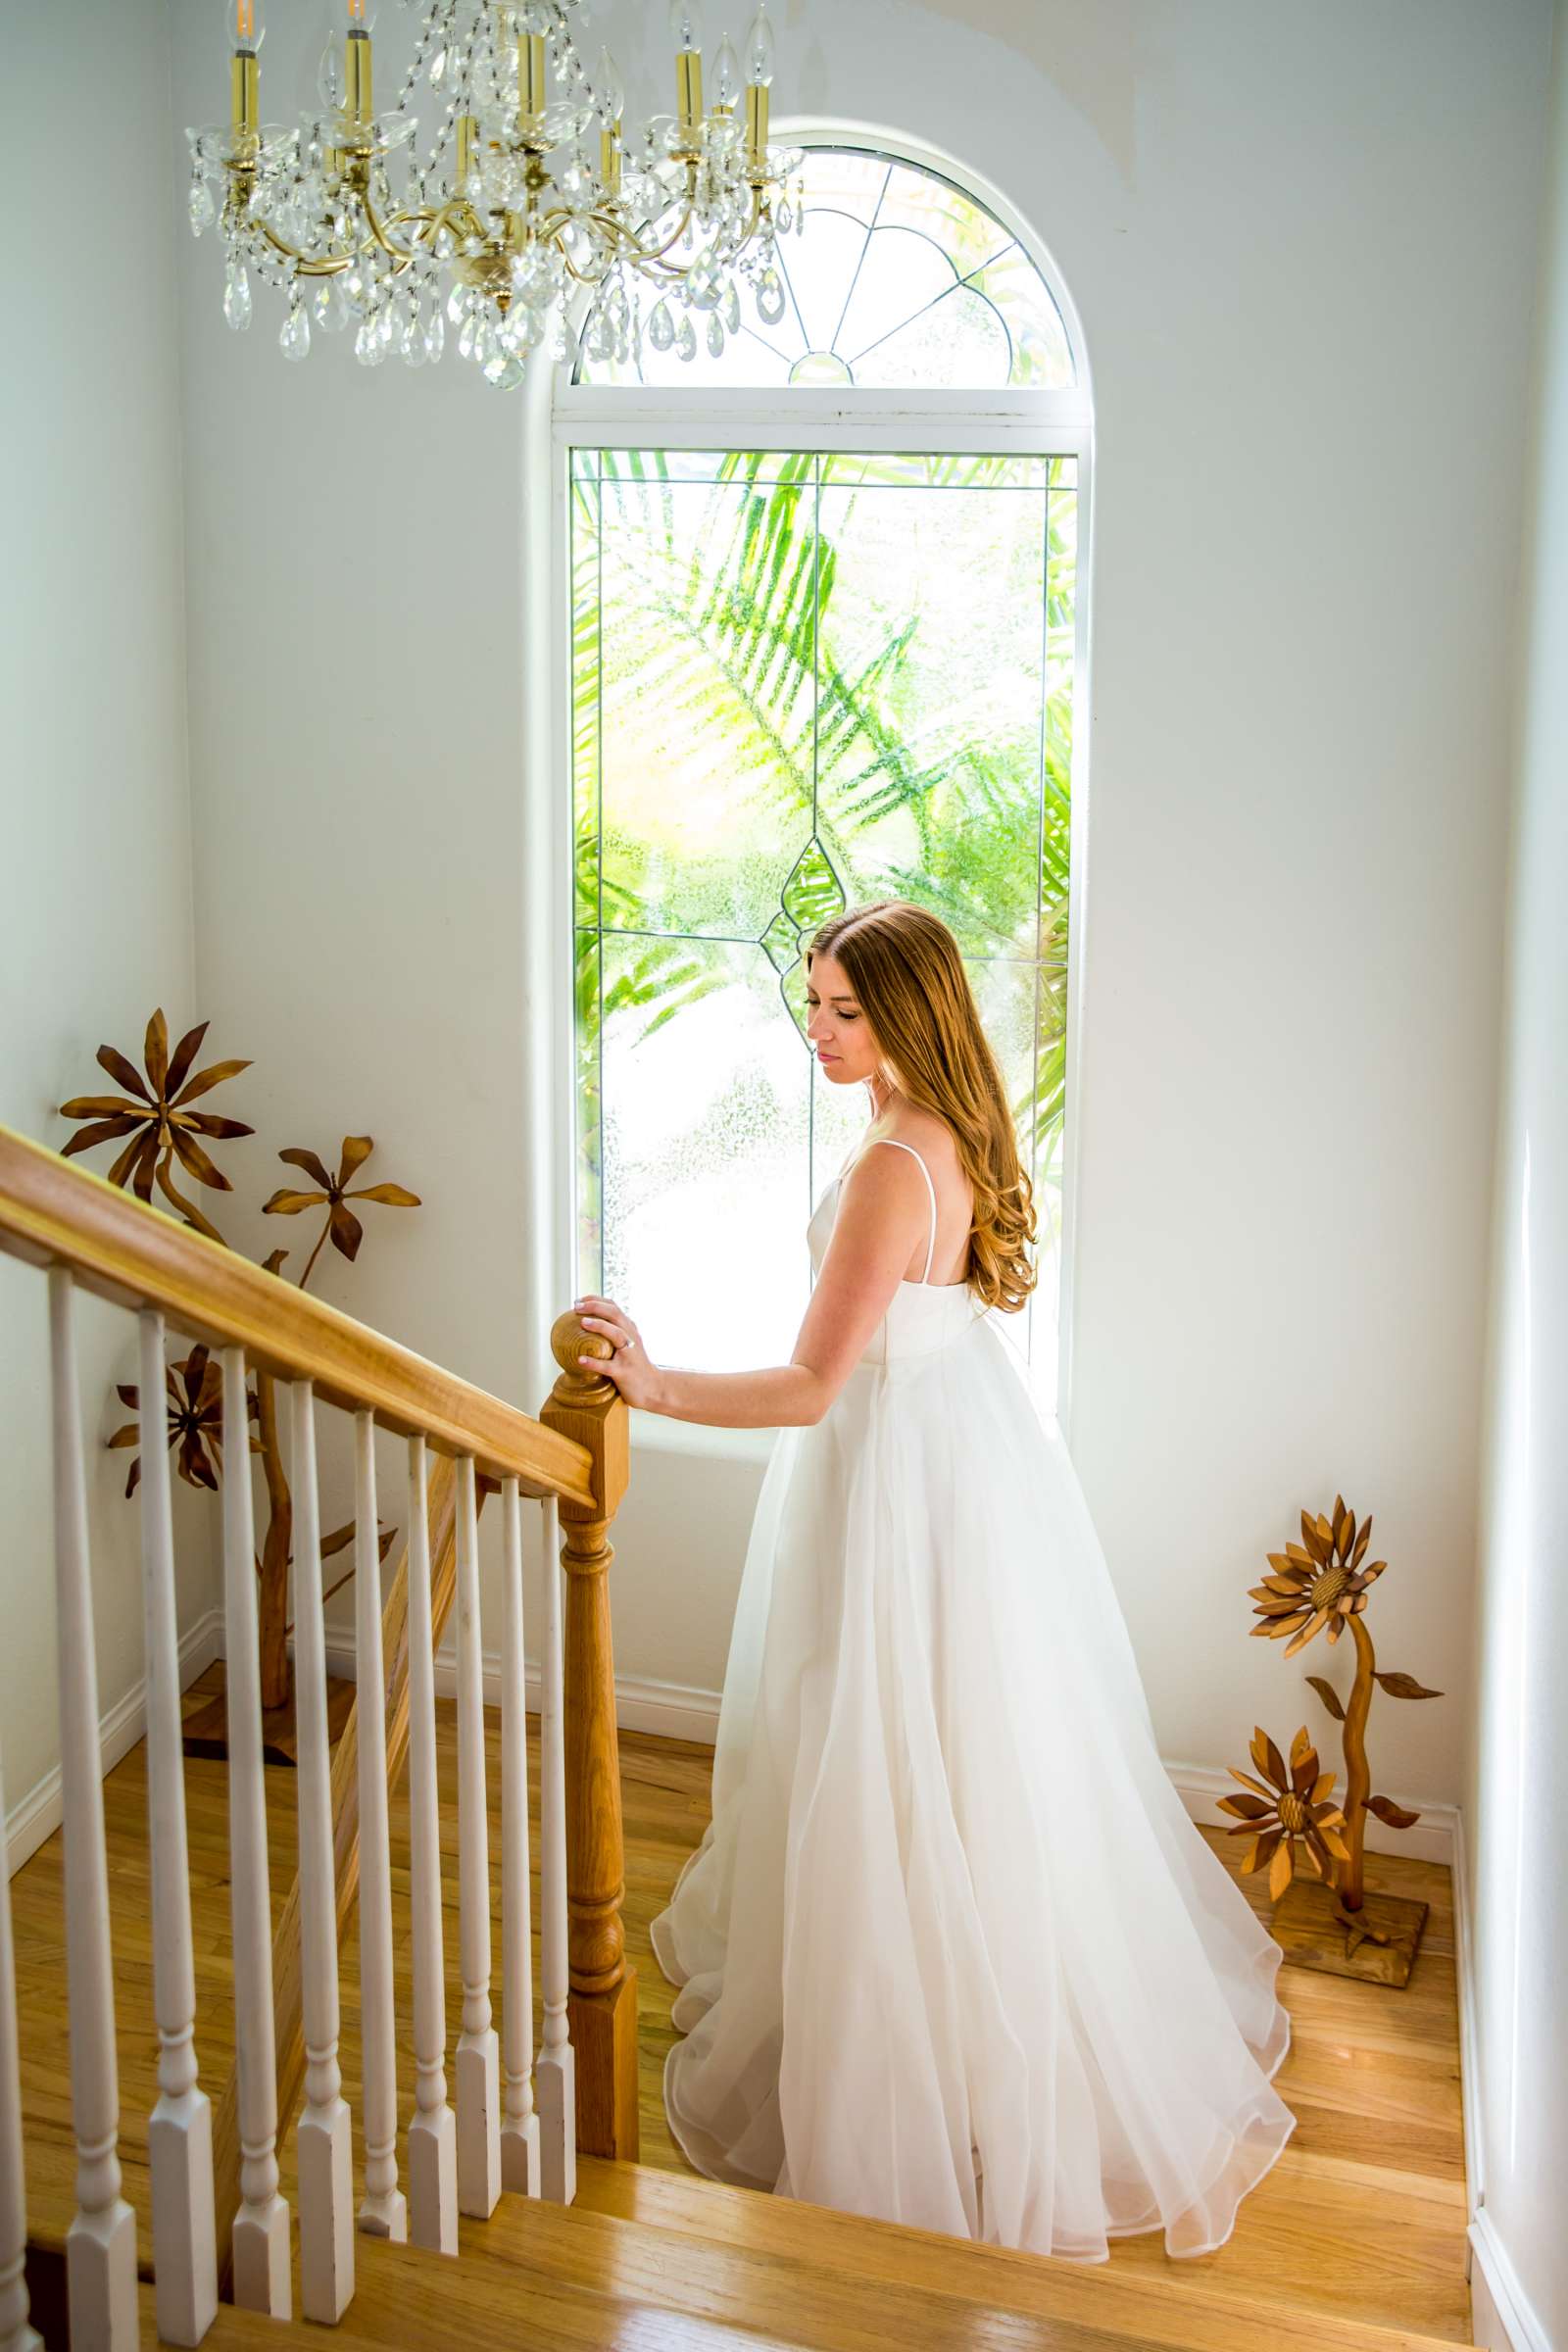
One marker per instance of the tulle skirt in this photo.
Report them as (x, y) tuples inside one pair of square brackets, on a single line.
[(951, 1952)]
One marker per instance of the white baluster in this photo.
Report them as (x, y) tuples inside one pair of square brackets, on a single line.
[(179, 2134), (432, 2133), (520, 2125), (325, 2165), (556, 2073), (101, 2242), (261, 2239), (383, 2213), (15, 2335), (478, 2056)]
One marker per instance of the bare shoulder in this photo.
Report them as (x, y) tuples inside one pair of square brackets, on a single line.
[(930, 1136)]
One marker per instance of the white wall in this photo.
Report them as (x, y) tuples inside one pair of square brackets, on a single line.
[(95, 921), (1301, 243), (1519, 1766)]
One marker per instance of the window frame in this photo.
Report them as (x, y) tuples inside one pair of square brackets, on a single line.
[(562, 416)]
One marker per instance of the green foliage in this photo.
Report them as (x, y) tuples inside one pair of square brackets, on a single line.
[(729, 633)]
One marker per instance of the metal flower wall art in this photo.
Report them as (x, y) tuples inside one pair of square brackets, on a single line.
[(1321, 1585), (164, 1141)]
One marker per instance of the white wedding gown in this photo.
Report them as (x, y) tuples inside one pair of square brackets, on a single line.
[(950, 1951)]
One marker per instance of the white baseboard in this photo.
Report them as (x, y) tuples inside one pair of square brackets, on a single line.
[(1502, 2319), (672, 1710), (36, 1816)]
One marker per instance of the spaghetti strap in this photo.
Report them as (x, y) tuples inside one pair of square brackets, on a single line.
[(930, 1187)]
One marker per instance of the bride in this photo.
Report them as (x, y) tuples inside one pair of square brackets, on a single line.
[(950, 1952)]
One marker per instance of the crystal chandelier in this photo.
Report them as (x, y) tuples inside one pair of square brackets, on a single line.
[(509, 221)]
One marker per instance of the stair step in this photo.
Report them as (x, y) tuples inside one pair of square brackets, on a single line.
[(1177, 2306), (576, 2279), (650, 2261)]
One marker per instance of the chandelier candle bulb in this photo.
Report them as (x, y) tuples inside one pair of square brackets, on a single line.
[(246, 31), (531, 76), (358, 74), (726, 77)]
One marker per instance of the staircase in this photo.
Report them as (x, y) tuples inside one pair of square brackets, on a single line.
[(519, 2216)]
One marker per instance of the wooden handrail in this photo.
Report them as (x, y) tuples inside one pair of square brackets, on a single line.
[(117, 1245)]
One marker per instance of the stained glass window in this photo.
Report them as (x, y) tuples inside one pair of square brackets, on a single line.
[(892, 276), (800, 680)]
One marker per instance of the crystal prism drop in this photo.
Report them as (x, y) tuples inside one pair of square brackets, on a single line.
[(732, 308), (438, 68), (202, 209), (662, 326), (294, 338), (686, 340), (715, 334), (435, 334), (369, 348), (770, 297), (457, 306), (236, 296)]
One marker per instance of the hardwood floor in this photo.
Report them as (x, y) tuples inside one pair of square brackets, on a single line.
[(1362, 2218)]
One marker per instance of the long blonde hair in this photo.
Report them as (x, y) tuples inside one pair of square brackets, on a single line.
[(908, 977)]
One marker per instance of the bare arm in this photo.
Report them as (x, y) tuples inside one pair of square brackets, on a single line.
[(882, 1213)]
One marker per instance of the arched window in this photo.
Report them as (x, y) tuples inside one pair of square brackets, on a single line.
[(826, 634)]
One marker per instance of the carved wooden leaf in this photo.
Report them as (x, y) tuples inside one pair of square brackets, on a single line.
[(346, 1231), (1281, 1869), (392, 1195), (184, 1055), (298, 1157), (1329, 1696), (102, 1131), (1395, 1817), (285, 1203), (110, 1059), (102, 1106), (192, 1156), (209, 1122), (1406, 1685), (156, 1052), (205, 1080)]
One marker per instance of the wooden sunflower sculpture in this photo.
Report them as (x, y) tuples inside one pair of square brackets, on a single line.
[(1319, 1582), (155, 1113), (195, 1386), (1319, 1585), (1284, 1809), (158, 1129)]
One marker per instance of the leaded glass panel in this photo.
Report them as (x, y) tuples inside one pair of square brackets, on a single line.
[(892, 276), (800, 681)]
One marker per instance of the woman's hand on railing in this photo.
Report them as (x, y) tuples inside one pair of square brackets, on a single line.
[(639, 1381)]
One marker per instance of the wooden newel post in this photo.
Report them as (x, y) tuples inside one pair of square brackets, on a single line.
[(603, 2003)]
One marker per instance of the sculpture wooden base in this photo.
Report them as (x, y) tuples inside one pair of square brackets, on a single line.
[(205, 1732), (1310, 1931)]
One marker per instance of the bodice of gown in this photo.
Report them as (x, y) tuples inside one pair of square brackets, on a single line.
[(923, 1317)]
